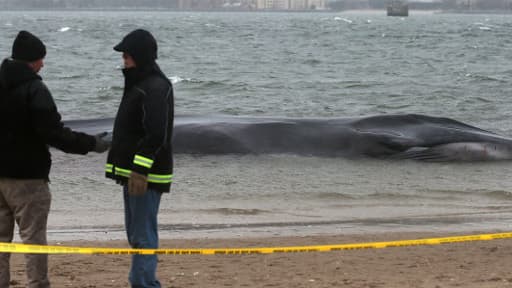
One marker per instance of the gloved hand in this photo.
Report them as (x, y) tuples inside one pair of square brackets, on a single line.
[(137, 184), (102, 144)]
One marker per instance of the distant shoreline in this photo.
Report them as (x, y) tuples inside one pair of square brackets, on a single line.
[(505, 12), (156, 9)]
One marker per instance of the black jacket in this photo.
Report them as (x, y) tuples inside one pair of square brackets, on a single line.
[(143, 129), (29, 122)]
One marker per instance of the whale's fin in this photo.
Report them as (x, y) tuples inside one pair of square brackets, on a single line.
[(383, 143)]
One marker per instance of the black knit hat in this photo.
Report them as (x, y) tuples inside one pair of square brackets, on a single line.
[(141, 45), (27, 47)]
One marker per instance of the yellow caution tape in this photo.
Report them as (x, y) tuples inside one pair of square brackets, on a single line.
[(43, 249)]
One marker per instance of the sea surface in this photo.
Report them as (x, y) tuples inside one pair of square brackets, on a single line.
[(294, 65)]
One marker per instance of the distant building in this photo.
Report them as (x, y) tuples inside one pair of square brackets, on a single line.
[(290, 4), (398, 8), (199, 4), (485, 4)]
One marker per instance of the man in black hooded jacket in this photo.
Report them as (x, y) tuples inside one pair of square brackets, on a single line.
[(141, 155), (30, 122)]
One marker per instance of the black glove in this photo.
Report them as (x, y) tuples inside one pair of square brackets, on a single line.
[(102, 144)]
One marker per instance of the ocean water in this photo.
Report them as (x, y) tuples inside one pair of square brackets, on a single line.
[(296, 65)]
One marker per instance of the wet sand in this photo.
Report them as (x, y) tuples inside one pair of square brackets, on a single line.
[(468, 264)]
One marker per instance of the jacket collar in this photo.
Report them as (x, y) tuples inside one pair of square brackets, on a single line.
[(14, 73), (132, 76)]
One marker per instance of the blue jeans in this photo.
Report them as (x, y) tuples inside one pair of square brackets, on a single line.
[(142, 231)]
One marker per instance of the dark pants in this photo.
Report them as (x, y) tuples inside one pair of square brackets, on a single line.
[(26, 202), (142, 231)]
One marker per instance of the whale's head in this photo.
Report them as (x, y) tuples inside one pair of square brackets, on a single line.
[(477, 151), (460, 151)]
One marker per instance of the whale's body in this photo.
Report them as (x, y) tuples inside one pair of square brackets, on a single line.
[(408, 136)]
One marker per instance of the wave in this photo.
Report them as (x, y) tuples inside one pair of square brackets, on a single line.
[(111, 88), (359, 84), (177, 79), (70, 77), (334, 196), (484, 78), (343, 19), (423, 220), (396, 196), (234, 211), (492, 194), (499, 195)]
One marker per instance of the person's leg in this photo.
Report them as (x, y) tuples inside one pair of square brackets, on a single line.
[(32, 200), (6, 234), (143, 212)]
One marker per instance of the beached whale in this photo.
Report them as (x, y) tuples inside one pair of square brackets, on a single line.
[(408, 136)]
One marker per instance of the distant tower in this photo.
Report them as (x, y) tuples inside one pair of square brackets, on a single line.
[(398, 8)]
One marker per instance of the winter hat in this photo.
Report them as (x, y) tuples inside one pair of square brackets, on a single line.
[(27, 47), (141, 45)]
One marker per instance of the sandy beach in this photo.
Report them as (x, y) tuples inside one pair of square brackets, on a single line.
[(468, 264)]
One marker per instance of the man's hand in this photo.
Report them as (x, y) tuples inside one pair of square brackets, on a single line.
[(102, 144), (137, 184)]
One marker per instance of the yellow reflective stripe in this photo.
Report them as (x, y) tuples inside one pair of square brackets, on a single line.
[(108, 168), (143, 161), (158, 178), (161, 176), (152, 178), (122, 172)]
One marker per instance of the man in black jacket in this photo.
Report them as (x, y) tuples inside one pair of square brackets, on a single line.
[(30, 122), (141, 155)]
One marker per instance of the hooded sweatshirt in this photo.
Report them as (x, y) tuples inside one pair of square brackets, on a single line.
[(30, 123)]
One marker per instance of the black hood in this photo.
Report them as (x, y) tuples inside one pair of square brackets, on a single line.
[(14, 73), (141, 45)]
